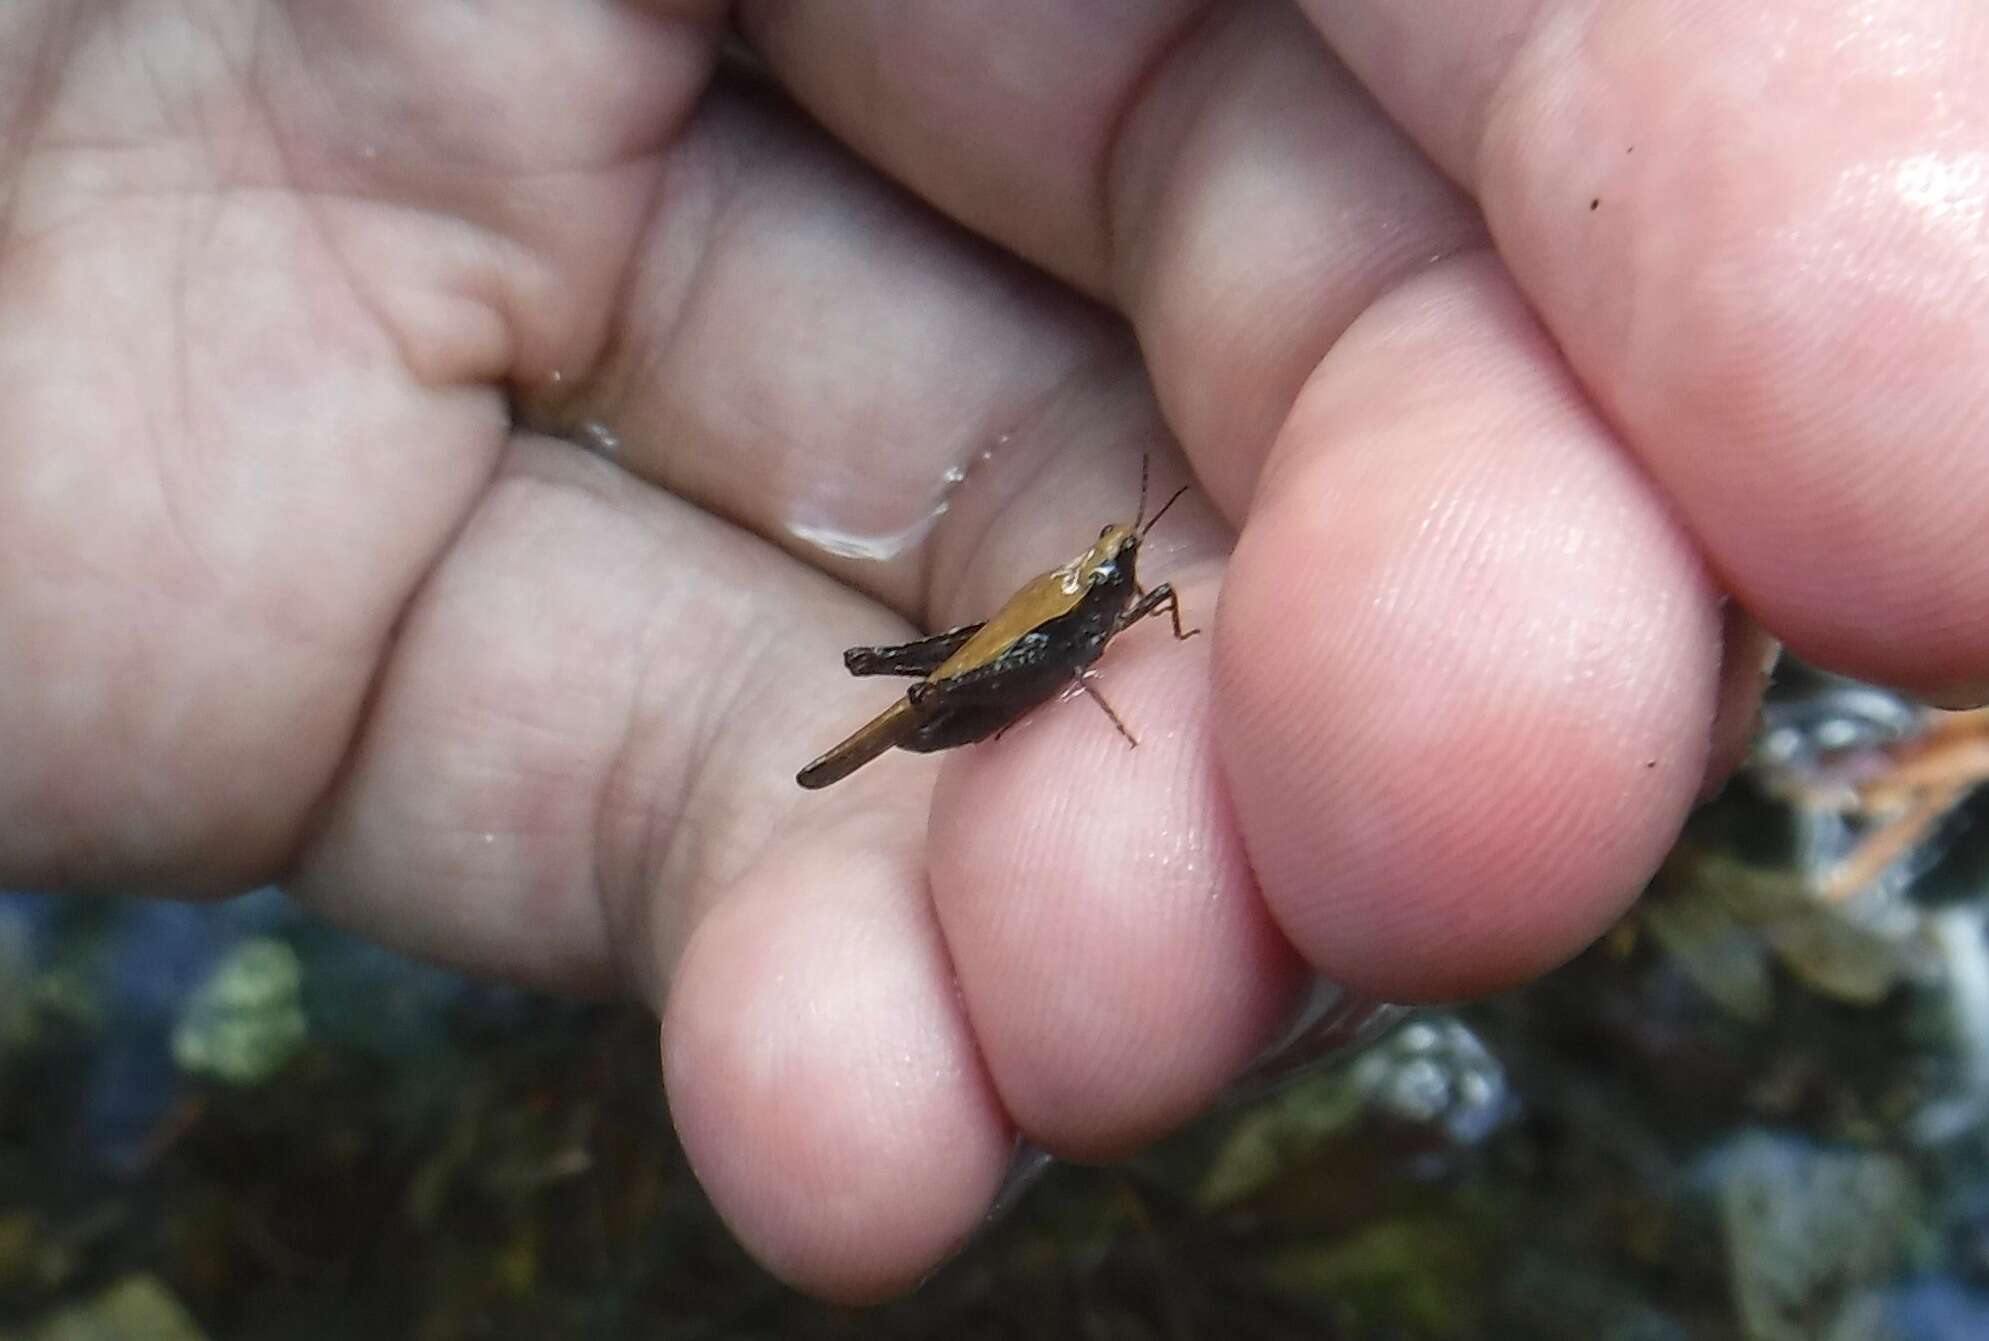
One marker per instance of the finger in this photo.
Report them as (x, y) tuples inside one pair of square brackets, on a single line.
[(578, 771), (507, 806), (1111, 946), (1003, 115), (1757, 232), (1466, 664), (1208, 169), (821, 1072)]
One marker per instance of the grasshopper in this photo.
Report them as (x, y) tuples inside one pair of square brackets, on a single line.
[(977, 680)]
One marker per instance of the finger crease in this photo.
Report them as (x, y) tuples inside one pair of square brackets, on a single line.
[(1170, 45)]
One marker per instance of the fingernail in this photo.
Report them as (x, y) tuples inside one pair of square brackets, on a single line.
[(1025, 1168), (1028, 1166)]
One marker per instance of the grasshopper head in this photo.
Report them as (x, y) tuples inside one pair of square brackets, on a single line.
[(1118, 545)]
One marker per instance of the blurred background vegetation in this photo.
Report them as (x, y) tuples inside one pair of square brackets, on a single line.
[(1754, 1111)]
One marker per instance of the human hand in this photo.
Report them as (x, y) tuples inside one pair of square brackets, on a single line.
[(287, 590)]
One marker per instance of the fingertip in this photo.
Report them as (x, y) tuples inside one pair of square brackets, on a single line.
[(1466, 662), (1442, 821), (824, 1085), (1113, 951)]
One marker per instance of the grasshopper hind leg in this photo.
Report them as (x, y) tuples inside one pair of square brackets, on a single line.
[(922, 656), (887, 729), (961, 726)]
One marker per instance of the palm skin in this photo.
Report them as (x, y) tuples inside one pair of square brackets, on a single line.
[(298, 580)]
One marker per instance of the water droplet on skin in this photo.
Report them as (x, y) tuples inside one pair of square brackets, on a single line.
[(811, 525), (599, 439), (877, 546)]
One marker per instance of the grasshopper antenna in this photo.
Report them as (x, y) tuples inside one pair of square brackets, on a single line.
[(1174, 498), (1146, 460)]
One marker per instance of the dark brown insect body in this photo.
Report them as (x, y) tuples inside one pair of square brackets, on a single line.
[(978, 679)]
